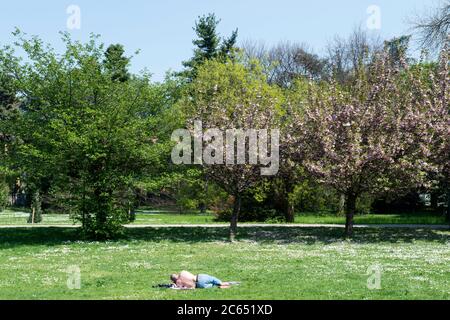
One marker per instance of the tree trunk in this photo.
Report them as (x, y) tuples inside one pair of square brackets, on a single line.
[(83, 220), (434, 201), (350, 213), (289, 212), (83, 215), (101, 216), (341, 211), (83, 208), (33, 213), (290, 215), (287, 206), (448, 205), (36, 205), (235, 217), (203, 202)]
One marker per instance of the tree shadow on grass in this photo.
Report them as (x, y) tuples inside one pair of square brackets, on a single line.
[(265, 235), (11, 237), (361, 236)]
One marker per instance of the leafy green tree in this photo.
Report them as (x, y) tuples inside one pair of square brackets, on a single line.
[(8, 108), (8, 103), (229, 96), (89, 132), (208, 45)]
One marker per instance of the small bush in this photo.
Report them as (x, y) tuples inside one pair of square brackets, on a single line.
[(95, 229)]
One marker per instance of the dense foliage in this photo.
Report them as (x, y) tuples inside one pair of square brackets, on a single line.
[(361, 128)]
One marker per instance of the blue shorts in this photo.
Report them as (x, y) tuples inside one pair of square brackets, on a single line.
[(205, 281)]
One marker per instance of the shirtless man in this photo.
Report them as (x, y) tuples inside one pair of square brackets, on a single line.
[(187, 280)]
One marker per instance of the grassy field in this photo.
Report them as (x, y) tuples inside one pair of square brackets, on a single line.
[(10, 217), (271, 263)]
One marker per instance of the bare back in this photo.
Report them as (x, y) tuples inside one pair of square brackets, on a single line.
[(186, 280)]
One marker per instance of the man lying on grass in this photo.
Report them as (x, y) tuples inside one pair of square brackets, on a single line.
[(187, 280)]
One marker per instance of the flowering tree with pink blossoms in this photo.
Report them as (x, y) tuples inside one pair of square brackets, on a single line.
[(439, 115), (377, 136)]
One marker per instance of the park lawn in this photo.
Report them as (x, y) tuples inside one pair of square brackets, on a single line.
[(271, 263), (417, 218), (16, 217), (302, 218), (10, 217)]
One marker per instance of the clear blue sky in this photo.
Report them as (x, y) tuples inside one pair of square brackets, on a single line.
[(163, 29)]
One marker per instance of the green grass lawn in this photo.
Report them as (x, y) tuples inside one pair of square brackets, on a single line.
[(271, 263), (418, 218), (10, 217)]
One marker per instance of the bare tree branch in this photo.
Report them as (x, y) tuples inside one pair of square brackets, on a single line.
[(433, 29)]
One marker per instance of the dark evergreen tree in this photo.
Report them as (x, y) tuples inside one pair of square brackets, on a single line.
[(117, 63), (8, 104), (208, 45), (228, 45), (397, 49)]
